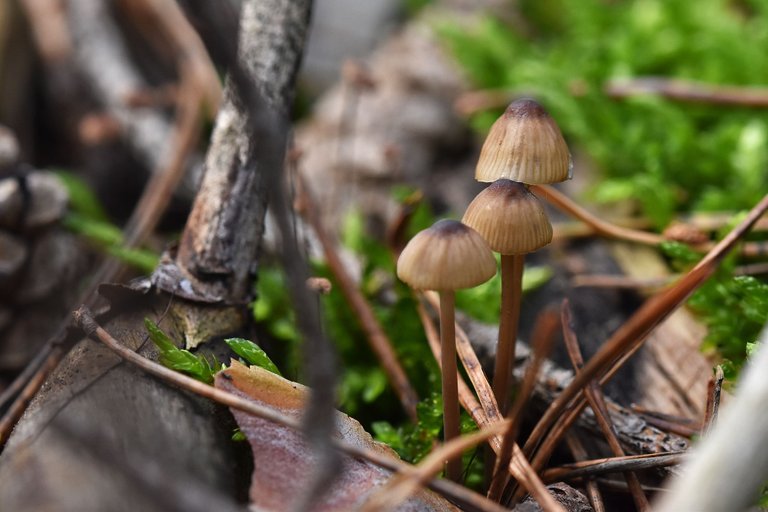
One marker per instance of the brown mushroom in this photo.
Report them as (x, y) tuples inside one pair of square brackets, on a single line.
[(525, 145), (513, 222), (446, 257)]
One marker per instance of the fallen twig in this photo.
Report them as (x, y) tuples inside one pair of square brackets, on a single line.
[(689, 91), (377, 338), (601, 227), (401, 486), (607, 229), (594, 396), (632, 334), (590, 468), (580, 454)]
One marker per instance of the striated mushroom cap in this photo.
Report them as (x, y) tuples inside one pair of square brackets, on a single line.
[(446, 256), (509, 217), (524, 145)]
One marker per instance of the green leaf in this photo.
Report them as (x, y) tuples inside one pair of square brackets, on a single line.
[(196, 366), (252, 354)]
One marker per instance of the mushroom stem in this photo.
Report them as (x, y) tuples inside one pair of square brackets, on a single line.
[(511, 293), (449, 380)]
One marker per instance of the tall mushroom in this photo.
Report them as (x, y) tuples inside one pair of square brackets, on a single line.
[(514, 223), (524, 145), (446, 257)]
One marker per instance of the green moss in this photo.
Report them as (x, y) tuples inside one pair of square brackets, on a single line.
[(668, 156)]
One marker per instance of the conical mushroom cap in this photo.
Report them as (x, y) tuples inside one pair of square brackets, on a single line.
[(524, 145), (509, 217), (446, 256)]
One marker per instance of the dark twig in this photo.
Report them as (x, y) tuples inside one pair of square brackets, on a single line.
[(612, 465), (580, 454), (680, 426), (713, 399), (596, 401)]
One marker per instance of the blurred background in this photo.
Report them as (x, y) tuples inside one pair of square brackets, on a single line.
[(662, 102)]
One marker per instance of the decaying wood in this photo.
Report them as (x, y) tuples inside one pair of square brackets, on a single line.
[(39, 468), (218, 250)]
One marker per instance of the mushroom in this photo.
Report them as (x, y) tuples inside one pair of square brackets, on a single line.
[(446, 257), (524, 145), (513, 222)]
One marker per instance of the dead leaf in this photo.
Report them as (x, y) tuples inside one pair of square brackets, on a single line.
[(283, 460)]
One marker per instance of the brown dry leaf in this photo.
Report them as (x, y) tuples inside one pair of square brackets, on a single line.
[(283, 460)]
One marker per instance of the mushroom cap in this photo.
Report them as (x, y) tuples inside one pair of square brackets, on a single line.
[(446, 256), (509, 217), (524, 145)]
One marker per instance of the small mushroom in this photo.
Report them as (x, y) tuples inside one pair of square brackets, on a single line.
[(525, 145), (513, 222), (446, 257)]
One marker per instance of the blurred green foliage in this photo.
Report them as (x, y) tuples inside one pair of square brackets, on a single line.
[(668, 156), (734, 308), (88, 218)]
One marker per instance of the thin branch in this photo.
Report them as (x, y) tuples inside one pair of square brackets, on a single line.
[(580, 454), (596, 401), (715, 388), (400, 487), (601, 227), (689, 91), (457, 493), (607, 229), (590, 468), (377, 338)]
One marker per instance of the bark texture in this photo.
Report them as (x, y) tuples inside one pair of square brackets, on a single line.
[(219, 247)]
